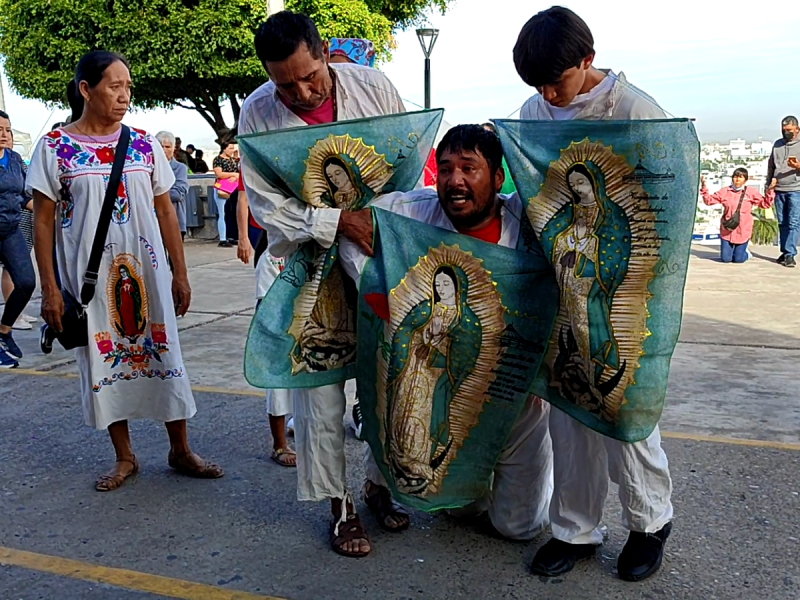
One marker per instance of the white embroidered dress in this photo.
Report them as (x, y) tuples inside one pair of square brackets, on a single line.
[(132, 368)]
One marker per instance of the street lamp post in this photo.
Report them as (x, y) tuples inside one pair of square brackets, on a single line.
[(427, 39)]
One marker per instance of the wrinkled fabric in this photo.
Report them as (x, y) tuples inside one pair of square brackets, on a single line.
[(360, 92), (583, 462), (518, 501)]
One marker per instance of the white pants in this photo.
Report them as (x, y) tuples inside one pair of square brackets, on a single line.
[(319, 436), (279, 402), (583, 462), (523, 478)]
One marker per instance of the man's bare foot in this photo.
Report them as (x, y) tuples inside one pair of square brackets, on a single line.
[(112, 480), (348, 536), (391, 516), (192, 465)]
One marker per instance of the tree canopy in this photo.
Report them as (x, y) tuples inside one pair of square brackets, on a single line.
[(194, 54)]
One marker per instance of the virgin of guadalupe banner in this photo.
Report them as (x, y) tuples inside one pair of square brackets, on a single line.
[(613, 204), (303, 334), (451, 331)]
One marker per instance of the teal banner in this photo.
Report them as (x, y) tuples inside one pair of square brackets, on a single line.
[(451, 332), (613, 205), (303, 334)]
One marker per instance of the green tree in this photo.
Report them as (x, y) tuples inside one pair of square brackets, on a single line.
[(195, 54)]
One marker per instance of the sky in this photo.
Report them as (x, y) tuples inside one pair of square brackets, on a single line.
[(730, 72)]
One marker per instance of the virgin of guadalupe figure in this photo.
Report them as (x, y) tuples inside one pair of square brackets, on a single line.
[(589, 243), (434, 349), (346, 189), (328, 339), (128, 300)]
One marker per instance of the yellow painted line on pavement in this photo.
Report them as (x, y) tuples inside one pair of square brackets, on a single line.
[(692, 437), (40, 373), (121, 578), (230, 392), (696, 437)]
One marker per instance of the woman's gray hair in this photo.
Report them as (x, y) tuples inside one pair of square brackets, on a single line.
[(165, 136)]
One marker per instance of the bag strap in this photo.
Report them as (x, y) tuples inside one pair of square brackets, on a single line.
[(741, 199), (103, 223)]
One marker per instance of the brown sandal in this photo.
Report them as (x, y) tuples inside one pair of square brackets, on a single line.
[(347, 531), (383, 506), (109, 482), (283, 455), (206, 470)]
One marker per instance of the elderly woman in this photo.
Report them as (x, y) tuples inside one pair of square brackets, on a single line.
[(132, 368), (15, 255), (736, 198), (177, 193)]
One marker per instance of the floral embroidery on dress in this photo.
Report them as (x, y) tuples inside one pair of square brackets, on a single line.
[(121, 213), (134, 356), (66, 205), (76, 155), (151, 251), (133, 375)]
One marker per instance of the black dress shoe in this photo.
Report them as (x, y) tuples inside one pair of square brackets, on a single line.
[(781, 259), (789, 261), (557, 557), (642, 554)]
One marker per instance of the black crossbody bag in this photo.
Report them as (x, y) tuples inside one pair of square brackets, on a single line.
[(74, 326), (733, 222)]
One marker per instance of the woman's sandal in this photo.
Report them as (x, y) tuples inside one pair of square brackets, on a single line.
[(206, 470), (348, 530), (112, 481), (383, 506), (282, 456)]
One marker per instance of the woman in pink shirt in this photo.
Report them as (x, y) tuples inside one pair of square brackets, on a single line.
[(733, 243)]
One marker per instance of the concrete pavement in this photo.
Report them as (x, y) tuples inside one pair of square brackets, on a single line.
[(736, 533)]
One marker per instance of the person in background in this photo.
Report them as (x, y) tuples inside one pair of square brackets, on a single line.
[(133, 314), (508, 184), (190, 156), (783, 173), (254, 245), (555, 54), (178, 191), (180, 153), (23, 322), (15, 255), (200, 166), (355, 51), (225, 167), (736, 197)]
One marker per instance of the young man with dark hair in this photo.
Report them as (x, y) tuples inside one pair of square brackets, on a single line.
[(304, 89), (467, 200), (783, 175), (555, 54)]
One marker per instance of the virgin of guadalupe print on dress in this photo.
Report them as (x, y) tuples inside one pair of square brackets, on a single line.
[(304, 333), (127, 299), (617, 235), (458, 336)]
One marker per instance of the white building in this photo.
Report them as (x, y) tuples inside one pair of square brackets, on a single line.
[(761, 148)]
